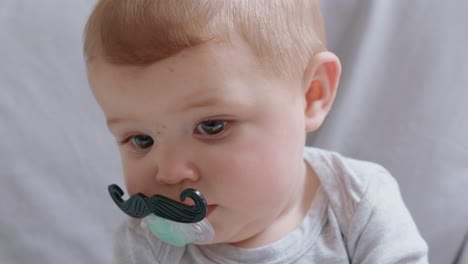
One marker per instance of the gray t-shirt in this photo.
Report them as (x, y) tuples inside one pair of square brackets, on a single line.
[(357, 216)]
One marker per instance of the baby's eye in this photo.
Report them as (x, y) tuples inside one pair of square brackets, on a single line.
[(211, 127), (142, 141)]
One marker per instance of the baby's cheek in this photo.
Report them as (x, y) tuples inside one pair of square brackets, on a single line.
[(138, 177), (132, 182), (252, 176)]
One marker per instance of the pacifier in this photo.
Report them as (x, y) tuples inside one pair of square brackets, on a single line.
[(173, 222)]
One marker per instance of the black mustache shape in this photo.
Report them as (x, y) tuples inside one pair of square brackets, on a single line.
[(139, 206)]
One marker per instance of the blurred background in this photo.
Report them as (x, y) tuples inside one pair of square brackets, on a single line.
[(402, 102)]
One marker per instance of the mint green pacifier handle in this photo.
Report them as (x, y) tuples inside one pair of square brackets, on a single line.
[(160, 228), (180, 234)]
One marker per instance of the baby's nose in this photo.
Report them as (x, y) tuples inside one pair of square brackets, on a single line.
[(174, 169)]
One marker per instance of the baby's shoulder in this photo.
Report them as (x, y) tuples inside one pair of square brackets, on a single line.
[(343, 174), (349, 183)]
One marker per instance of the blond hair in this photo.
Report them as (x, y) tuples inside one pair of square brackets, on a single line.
[(283, 34)]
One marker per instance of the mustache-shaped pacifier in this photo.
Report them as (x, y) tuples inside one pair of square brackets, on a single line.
[(140, 206), (171, 221)]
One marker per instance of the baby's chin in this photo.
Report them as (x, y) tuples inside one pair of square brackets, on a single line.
[(229, 231), (236, 239), (223, 237)]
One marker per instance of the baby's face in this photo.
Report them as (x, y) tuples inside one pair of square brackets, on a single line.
[(211, 119)]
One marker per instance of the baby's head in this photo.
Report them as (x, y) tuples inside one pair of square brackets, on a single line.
[(217, 96)]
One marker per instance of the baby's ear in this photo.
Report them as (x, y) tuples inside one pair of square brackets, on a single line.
[(320, 82)]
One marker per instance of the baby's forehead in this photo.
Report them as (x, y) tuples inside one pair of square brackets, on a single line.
[(212, 74), (222, 75), (210, 61)]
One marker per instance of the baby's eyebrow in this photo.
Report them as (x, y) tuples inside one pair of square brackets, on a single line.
[(113, 121), (204, 102), (208, 101)]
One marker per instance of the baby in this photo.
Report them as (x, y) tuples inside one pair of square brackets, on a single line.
[(218, 96)]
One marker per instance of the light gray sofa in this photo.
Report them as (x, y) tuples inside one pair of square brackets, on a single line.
[(402, 103)]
